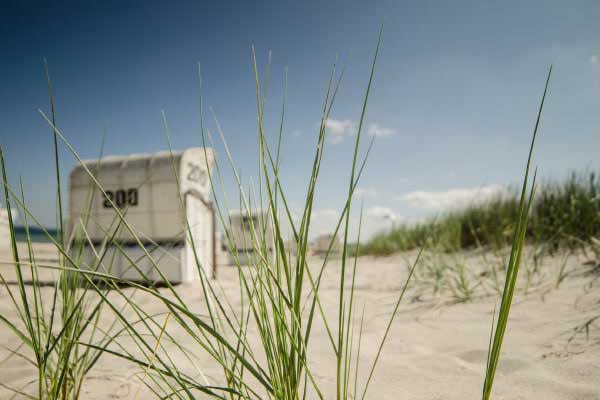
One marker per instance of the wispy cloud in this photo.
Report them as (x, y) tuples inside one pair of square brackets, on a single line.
[(326, 213), (339, 129), (365, 192), (378, 130), (323, 221), (453, 198), (595, 59), (382, 213)]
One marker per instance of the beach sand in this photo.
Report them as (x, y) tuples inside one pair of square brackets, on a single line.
[(437, 347)]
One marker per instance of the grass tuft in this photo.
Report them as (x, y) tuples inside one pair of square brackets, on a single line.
[(565, 214)]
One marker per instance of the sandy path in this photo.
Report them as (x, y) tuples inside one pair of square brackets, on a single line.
[(437, 349)]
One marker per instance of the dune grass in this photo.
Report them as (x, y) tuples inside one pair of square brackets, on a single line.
[(565, 214), (280, 300), (51, 322), (261, 346)]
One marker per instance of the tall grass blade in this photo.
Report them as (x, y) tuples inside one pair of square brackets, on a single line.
[(512, 269)]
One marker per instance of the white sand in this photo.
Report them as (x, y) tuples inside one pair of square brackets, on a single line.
[(437, 347)]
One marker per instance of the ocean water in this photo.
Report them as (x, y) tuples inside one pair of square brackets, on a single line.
[(35, 234)]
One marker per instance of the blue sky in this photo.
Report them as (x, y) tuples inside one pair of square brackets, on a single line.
[(453, 102)]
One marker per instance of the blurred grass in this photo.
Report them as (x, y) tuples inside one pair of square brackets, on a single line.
[(565, 213)]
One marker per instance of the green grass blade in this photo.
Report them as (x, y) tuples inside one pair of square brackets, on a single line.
[(514, 261)]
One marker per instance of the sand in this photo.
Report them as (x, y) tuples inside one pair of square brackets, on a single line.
[(438, 344)]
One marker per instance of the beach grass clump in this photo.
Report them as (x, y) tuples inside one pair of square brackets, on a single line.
[(565, 214), (263, 347), (55, 312), (487, 223), (568, 213)]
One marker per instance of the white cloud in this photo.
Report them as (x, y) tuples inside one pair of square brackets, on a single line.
[(326, 213), (13, 212), (364, 193), (595, 59), (377, 130), (382, 213), (325, 220), (454, 198), (339, 129)]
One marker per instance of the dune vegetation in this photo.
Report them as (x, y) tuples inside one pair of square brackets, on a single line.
[(564, 214)]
